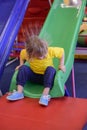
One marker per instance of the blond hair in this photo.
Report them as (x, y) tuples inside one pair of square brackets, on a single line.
[(36, 47)]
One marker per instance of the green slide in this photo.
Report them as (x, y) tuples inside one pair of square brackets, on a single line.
[(61, 29)]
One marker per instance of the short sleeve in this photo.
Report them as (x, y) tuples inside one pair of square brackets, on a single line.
[(56, 52), (23, 54)]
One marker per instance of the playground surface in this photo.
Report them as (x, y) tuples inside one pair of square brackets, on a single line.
[(65, 113)]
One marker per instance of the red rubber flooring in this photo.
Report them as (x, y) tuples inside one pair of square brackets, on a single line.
[(62, 114)]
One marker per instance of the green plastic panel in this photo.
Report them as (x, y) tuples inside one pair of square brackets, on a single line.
[(61, 29)]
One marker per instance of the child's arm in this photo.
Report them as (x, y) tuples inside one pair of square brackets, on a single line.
[(22, 58), (21, 63), (58, 52), (61, 65)]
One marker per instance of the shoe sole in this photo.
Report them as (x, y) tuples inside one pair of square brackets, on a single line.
[(14, 99), (43, 104)]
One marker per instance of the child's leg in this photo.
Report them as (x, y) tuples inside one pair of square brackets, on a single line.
[(46, 91), (48, 83), (24, 74), (48, 79)]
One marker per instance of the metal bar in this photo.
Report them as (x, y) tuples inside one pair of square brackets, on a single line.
[(73, 82)]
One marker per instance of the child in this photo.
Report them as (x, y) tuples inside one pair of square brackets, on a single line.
[(41, 70)]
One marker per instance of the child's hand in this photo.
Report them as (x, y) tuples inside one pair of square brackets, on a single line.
[(62, 67), (17, 67)]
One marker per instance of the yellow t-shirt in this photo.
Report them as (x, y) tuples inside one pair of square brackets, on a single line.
[(39, 65)]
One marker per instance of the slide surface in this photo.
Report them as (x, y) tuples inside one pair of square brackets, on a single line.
[(11, 16), (60, 29)]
